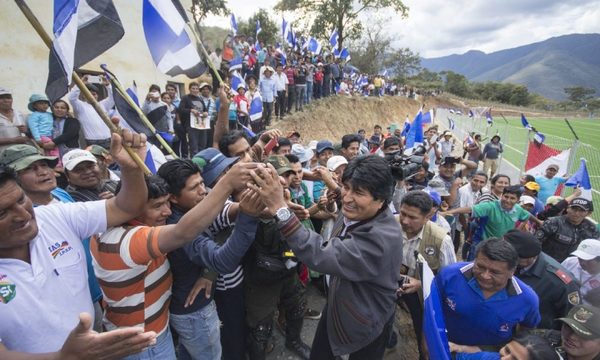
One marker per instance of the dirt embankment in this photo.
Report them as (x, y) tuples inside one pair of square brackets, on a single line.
[(335, 116)]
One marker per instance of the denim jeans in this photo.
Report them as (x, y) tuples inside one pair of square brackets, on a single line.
[(163, 349), (199, 333), (300, 93), (309, 92)]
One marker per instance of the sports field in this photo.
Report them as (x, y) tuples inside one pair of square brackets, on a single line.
[(558, 135)]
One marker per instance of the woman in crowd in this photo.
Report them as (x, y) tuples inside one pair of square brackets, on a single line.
[(65, 129)]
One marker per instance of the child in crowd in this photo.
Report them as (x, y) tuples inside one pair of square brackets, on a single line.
[(41, 122)]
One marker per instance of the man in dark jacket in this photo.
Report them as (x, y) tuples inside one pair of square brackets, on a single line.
[(362, 258), (561, 235)]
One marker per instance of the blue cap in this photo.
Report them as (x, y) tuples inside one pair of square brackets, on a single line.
[(435, 196), (324, 145), (212, 164)]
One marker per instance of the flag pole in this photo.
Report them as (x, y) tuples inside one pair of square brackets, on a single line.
[(200, 45), (35, 23), (140, 113)]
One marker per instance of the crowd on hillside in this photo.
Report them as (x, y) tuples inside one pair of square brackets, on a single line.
[(193, 262)]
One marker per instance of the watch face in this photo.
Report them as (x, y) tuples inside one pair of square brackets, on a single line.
[(283, 214)]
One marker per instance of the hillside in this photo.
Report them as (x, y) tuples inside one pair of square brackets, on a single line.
[(545, 67)]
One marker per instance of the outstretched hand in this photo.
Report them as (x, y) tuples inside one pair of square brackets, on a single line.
[(137, 143), (267, 184)]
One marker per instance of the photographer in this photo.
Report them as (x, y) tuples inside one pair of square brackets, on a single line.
[(404, 168)]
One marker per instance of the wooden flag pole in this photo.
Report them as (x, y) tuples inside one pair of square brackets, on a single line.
[(30, 16)]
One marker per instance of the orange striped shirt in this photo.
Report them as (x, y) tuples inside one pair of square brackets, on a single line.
[(134, 276)]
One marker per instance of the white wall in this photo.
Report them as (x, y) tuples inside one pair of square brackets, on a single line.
[(24, 56)]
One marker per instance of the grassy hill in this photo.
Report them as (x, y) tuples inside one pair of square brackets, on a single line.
[(545, 67)]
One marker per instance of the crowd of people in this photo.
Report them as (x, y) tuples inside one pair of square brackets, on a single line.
[(203, 259)]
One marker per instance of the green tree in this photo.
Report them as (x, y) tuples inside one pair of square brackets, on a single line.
[(202, 8), (403, 62), (269, 32), (520, 96), (342, 15), (579, 94), (369, 53), (456, 84)]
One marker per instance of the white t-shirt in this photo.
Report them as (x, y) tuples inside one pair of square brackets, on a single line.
[(40, 302), (587, 281), (466, 198)]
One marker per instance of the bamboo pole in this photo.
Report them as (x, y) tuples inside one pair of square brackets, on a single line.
[(30, 16), (139, 111)]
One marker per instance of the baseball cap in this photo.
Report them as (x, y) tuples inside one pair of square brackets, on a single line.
[(553, 166), (585, 204), (435, 196), (77, 156), (553, 200), (5, 91), (280, 163), (532, 185), (324, 145), (294, 133), (584, 320), (212, 164), (302, 153), (439, 187), (526, 199), (97, 150), (205, 84), (313, 145), (20, 156), (588, 249), (449, 160), (335, 162), (525, 243), (447, 133)]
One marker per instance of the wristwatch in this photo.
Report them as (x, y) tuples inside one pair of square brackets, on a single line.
[(283, 214)]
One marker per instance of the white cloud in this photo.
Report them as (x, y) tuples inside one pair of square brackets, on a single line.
[(437, 28)]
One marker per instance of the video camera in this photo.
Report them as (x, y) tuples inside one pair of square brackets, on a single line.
[(405, 166)]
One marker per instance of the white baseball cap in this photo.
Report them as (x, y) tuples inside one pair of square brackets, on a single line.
[(526, 199), (77, 156), (335, 162), (588, 249)]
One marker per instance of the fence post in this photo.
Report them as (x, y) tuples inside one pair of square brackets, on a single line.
[(525, 155), (504, 134), (572, 159)]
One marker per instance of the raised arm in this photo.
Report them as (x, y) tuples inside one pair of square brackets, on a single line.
[(222, 123)]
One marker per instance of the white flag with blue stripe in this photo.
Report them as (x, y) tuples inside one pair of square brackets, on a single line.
[(236, 64), (258, 28), (236, 81), (256, 108), (333, 38), (83, 29), (170, 46), (313, 45), (581, 179), (233, 23)]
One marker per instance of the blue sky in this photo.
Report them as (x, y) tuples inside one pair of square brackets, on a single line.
[(437, 28)]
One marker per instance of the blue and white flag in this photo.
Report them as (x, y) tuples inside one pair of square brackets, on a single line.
[(83, 29), (525, 123), (280, 51), (581, 179), (488, 117), (236, 64), (133, 93), (428, 117), (451, 111), (256, 108), (470, 140), (471, 115), (233, 23), (170, 46), (288, 33), (451, 124), (539, 138), (247, 130), (415, 133), (458, 112), (333, 38), (258, 28), (434, 327), (406, 128), (313, 45), (236, 81)]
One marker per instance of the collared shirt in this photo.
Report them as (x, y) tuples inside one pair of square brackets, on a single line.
[(411, 245), (92, 125), (587, 282), (268, 89), (281, 80), (466, 198), (471, 319), (500, 220)]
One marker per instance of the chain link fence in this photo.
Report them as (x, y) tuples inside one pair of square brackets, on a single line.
[(516, 141)]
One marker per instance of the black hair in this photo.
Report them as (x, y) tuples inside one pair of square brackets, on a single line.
[(391, 141), (513, 189), (157, 186), (171, 86), (176, 173), (282, 141), (481, 173), (7, 174), (64, 102), (496, 177), (348, 139), (293, 159), (154, 87), (538, 347), (419, 199), (528, 178), (377, 126), (231, 138), (498, 249), (373, 174)]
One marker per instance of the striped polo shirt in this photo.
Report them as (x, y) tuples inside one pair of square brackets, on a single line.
[(135, 278)]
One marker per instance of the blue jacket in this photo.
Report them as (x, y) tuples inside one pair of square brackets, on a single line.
[(40, 124), (189, 262)]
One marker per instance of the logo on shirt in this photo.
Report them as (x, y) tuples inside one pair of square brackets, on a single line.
[(505, 328), (451, 304), (59, 249), (8, 290)]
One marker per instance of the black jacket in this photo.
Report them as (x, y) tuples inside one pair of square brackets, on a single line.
[(70, 134)]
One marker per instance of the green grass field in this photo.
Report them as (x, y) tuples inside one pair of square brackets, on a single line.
[(558, 135)]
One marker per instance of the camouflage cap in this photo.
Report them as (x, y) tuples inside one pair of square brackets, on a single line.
[(280, 163)]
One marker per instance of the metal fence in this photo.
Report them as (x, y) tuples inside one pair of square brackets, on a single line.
[(516, 141)]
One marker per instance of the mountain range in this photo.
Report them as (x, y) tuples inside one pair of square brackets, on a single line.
[(545, 67)]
